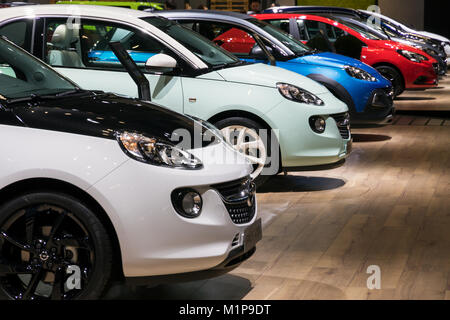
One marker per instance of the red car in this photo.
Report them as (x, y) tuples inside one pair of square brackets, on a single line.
[(405, 66)]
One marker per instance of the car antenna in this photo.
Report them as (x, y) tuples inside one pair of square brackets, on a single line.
[(133, 70)]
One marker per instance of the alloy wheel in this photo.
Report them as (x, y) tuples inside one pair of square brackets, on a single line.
[(37, 246)]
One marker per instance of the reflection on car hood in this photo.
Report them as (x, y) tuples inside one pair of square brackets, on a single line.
[(333, 60), (102, 115), (268, 76)]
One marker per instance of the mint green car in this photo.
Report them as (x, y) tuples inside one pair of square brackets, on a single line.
[(279, 119)]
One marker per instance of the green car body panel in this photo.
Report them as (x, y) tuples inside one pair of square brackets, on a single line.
[(121, 4), (249, 88)]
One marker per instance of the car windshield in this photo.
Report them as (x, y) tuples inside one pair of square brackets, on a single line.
[(374, 30), (22, 75), (363, 30), (289, 41), (207, 51)]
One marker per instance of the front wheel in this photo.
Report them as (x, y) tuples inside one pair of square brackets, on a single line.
[(52, 247), (394, 77), (244, 135)]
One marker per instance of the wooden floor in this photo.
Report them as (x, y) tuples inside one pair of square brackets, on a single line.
[(436, 99), (389, 206)]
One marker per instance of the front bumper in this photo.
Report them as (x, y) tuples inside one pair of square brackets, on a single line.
[(420, 76), (234, 259), (379, 108), (300, 145), (154, 239)]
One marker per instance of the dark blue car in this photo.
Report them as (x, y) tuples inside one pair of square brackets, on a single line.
[(368, 95)]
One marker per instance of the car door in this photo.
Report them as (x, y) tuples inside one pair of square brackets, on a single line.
[(81, 52)]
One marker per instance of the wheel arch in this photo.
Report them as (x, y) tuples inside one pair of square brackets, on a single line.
[(239, 113), (388, 64), (245, 114), (48, 184), (337, 89)]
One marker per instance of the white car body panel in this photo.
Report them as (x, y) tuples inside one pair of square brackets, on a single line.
[(423, 33), (154, 239)]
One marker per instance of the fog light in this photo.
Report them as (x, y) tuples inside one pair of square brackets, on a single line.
[(317, 124), (192, 203), (187, 202)]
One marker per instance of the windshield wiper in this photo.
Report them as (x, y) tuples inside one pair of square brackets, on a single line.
[(35, 97), (69, 92), (227, 65), (31, 97)]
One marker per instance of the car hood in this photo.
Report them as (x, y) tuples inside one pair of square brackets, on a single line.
[(332, 60), (415, 44), (433, 35), (103, 115), (268, 76)]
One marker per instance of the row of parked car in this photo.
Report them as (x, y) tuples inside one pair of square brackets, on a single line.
[(133, 149)]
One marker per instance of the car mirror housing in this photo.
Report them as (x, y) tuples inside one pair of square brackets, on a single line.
[(259, 54), (160, 63)]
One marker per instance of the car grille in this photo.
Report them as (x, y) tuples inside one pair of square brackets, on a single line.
[(239, 199), (343, 124)]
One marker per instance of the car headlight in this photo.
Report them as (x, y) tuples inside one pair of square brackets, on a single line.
[(359, 74), (299, 95), (412, 56), (153, 151)]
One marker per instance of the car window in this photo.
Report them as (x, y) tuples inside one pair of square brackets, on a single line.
[(212, 55), (86, 45), (302, 30), (231, 38), (296, 46), (334, 33), (18, 32), (312, 27), (282, 24), (22, 75)]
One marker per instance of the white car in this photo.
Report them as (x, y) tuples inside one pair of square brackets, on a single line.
[(93, 188), (264, 111), (445, 42)]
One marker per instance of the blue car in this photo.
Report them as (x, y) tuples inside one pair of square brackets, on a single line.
[(369, 95)]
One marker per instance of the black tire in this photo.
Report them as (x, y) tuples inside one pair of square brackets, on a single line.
[(76, 226), (248, 123), (394, 76)]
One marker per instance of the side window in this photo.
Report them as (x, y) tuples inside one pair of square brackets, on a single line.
[(86, 45), (231, 38), (282, 24), (18, 32), (302, 30), (334, 33), (312, 27)]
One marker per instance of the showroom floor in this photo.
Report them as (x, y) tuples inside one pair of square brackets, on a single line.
[(389, 206)]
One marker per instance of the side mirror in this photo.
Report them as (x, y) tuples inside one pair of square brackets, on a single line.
[(160, 63), (259, 54)]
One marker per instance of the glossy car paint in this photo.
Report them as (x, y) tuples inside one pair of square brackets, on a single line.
[(323, 67), (379, 52), (73, 140), (445, 42), (248, 88), (122, 4)]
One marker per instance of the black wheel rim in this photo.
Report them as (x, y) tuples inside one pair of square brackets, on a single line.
[(37, 246)]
